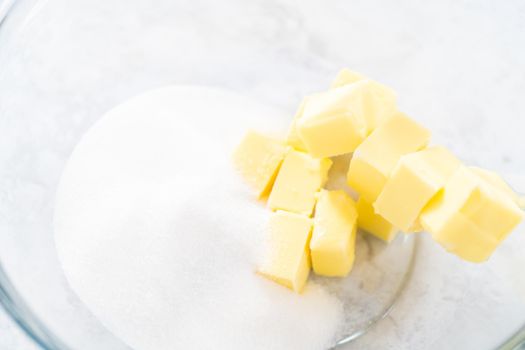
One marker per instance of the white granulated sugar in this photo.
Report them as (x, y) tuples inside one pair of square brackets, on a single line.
[(160, 239)]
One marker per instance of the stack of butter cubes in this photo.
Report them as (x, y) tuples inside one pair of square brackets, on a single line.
[(403, 185)]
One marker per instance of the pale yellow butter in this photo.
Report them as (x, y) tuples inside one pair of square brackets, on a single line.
[(414, 181), (293, 139), (379, 101), (332, 122), (460, 236), (498, 182), (297, 183), (470, 217), (376, 157), (288, 257), (345, 77), (375, 224), (258, 158), (332, 245), (380, 104)]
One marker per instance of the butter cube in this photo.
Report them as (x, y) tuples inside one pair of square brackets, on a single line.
[(373, 223), (332, 122), (288, 257), (293, 138), (332, 245), (345, 77), (379, 101), (380, 104), (297, 183), (496, 180), (462, 237), (376, 157), (258, 159), (415, 180), (470, 217)]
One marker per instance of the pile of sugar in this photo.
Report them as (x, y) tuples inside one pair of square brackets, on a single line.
[(160, 240)]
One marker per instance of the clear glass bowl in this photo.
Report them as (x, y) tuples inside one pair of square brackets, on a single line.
[(64, 63)]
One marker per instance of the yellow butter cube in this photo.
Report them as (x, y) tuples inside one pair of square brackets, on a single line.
[(258, 159), (379, 101), (297, 183), (332, 245), (293, 139), (380, 104), (469, 203), (373, 223), (376, 157), (345, 77), (332, 122), (494, 213), (496, 180), (287, 259), (460, 236), (415, 180)]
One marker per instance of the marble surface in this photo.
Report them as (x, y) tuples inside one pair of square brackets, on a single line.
[(457, 66)]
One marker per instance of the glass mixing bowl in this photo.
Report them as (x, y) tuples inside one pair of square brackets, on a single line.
[(64, 63)]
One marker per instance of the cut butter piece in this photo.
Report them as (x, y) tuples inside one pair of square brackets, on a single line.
[(376, 157), (288, 257), (293, 139), (417, 178), (380, 104), (332, 246), (498, 182), (379, 101), (258, 158), (345, 77), (462, 237), (332, 122), (298, 180), (369, 221), (470, 217)]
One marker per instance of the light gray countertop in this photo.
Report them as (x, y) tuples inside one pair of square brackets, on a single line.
[(458, 67)]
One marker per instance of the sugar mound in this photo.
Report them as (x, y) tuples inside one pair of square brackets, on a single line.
[(159, 239)]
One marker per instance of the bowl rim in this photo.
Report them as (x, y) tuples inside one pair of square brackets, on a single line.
[(11, 301), (22, 315)]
